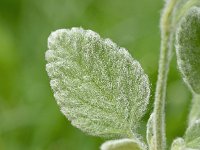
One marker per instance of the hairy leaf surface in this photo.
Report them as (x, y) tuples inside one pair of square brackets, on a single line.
[(195, 110), (99, 87), (192, 136), (191, 139), (178, 144), (188, 49), (123, 144)]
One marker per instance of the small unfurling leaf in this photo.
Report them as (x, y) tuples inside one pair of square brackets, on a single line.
[(195, 109), (188, 49), (191, 139), (178, 144), (123, 144), (192, 136), (99, 87)]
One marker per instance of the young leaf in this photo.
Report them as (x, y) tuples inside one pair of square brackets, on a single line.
[(99, 87), (150, 133), (178, 144), (192, 136), (195, 109), (188, 49), (123, 144)]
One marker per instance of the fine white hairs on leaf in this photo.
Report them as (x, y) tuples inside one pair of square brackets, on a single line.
[(188, 48), (178, 144), (99, 87), (192, 135), (195, 109), (191, 139), (123, 144)]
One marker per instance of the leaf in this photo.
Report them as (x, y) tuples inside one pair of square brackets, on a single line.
[(99, 87), (188, 49), (191, 139), (123, 144), (192, 136), (178, 144), (195, 109), (150, 133)]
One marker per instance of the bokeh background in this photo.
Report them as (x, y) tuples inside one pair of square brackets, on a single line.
[(29, 116)]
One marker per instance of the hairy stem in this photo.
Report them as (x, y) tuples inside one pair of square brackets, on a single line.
[(164, 62)]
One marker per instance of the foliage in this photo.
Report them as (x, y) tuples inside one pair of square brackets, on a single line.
[(97, 84), (29, 116), (103, 91)]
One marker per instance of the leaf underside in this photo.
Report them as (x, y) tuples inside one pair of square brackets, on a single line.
[(99, 87), (188, 49)]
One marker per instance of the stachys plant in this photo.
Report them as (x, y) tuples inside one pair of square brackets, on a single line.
[(105, 92)]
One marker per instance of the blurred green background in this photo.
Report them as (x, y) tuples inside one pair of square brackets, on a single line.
[(29, 116)]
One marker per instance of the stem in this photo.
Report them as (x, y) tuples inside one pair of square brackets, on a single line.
[(164, 62)]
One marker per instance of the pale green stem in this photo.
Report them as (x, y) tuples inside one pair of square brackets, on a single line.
[(194, 113), (164, 62)]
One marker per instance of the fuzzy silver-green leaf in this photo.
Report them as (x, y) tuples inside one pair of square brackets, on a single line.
[(192, 135), (123, 144), (195, 109), (99, 87), (178, 144), (188, 49)]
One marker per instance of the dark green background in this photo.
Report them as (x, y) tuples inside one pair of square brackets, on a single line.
[(29, 117)]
